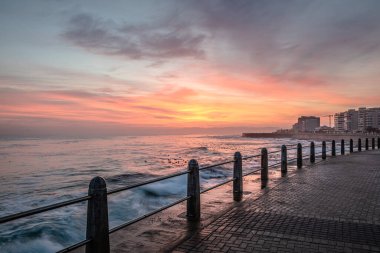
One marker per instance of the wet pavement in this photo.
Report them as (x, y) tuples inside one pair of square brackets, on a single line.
[(332, 206)]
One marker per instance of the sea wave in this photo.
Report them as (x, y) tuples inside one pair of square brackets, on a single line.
[(41, 172)]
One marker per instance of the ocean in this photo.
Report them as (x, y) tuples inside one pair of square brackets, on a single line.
[(38, 172)]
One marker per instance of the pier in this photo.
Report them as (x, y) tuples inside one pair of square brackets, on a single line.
[(321, 197)]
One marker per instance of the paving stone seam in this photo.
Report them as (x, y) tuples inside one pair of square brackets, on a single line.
[(234, 232), (201, 231)]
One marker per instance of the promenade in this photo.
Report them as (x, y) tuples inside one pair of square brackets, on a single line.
[(331, 206)]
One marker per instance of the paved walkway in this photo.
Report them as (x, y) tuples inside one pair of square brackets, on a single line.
[(333, 206)]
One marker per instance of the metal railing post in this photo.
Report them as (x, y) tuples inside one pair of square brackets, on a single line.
[(359, 145), (312, 152), (97, 217), (366, 143), (351, 146), (378, 142), (284, 160), (264, 167), (238, 177), (333, 151), (299, 156), (193, 191), (342, 147), (373, 143), (324, 150)]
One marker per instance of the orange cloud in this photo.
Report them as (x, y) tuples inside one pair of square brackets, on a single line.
[(215, 100)]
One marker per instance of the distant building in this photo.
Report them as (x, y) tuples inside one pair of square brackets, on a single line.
[(362, 119), (351, 120), (339, 122), (307, 124), (357, 121), (372, 118), (324, 129), (295, 128)]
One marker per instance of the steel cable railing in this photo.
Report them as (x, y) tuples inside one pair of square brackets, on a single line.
[(328, 147), (42, 209), (146, 215)]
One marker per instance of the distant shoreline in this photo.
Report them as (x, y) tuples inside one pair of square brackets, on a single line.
[(310, 136)]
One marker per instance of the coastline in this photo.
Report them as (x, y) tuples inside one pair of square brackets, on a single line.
[(310, 136)]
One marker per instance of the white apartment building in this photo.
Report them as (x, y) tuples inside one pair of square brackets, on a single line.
[(359, 120), (362, 119), (372, 117), (339, 121), (351, 120)]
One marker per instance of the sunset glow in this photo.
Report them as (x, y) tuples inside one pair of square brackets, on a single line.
[(184, 64)]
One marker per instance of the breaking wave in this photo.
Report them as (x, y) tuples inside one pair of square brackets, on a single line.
[(39, 172)]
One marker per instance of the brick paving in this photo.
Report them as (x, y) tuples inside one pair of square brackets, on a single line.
[(333, 206)]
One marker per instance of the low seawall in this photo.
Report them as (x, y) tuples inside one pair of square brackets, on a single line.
[(267, 135), (311, 136)]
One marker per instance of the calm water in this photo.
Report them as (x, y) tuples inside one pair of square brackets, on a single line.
[(37, 172)]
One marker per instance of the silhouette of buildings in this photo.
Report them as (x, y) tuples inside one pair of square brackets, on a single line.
[(307, 124)]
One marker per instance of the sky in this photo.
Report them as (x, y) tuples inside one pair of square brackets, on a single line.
[(168, 66)]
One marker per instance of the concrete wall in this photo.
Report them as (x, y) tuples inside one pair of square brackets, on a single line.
[(311, 136)]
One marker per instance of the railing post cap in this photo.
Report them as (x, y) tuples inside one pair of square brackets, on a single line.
[(193, 163), (98, 183), (237, 155), (283, 146), (264, 150)]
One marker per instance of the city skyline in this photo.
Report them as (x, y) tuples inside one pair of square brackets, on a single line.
[(361, 119), (139, 67)]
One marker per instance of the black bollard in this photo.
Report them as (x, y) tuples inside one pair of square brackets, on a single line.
[(238, 177), (299, 156), (351, 146), (312, 152), (264, 167), (193, 191), (284, 160), (97, 217), (333, 152)]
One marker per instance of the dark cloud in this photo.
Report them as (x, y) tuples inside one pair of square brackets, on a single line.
[(162, 40), (294, 38)]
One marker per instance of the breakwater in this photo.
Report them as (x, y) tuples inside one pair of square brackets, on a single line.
[(310, 136)]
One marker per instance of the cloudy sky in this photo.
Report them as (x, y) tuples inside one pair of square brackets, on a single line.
[(149, 65)]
